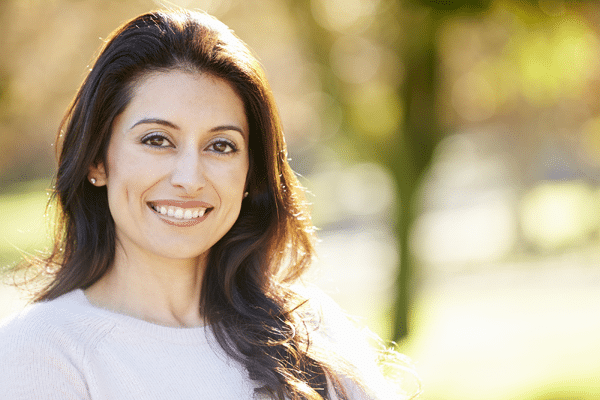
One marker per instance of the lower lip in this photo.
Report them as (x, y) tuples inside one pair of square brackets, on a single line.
[(180, 222)]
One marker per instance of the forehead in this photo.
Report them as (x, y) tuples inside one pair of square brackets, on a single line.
[(186, 96), (155, 82)]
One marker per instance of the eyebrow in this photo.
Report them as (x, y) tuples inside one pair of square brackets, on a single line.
[(172, 125), (157, 121)]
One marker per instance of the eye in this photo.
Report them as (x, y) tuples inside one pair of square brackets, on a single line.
[(156, 140), (223, 146)]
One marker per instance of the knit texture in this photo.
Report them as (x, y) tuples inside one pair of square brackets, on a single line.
[(68, 349)]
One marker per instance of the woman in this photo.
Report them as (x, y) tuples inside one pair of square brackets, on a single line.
[(182, 230)]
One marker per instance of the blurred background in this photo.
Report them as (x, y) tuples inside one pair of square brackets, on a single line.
[(451, 150)]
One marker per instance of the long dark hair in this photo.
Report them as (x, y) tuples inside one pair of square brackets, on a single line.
[(256, 317)]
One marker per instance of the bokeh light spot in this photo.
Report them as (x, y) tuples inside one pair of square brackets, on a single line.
[(354, 59), (473, 97), (376, 110), (342, 15), (557, 214)]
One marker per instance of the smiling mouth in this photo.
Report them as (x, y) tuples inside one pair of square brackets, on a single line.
[(184, 214)]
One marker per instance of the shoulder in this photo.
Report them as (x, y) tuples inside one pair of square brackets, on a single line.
[(65, 319), (43, 349), (358, 347), (332, 323)]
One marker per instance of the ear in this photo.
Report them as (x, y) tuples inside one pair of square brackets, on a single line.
[(97, 174)]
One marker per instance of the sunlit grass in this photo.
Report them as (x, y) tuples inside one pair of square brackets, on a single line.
[(23, 224), (525, 331)]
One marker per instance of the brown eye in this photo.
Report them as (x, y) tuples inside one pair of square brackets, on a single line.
[(156, 141), (223, 147)]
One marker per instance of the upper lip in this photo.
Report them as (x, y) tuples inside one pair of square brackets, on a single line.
[(180, 204)]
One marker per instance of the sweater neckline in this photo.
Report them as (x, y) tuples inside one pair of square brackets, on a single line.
[(145, 328)]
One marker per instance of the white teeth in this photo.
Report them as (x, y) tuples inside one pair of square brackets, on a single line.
[(180, 213)]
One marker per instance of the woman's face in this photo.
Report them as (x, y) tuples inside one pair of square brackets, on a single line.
[(176, 165)]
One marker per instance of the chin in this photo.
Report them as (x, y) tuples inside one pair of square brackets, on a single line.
[(182, 254)]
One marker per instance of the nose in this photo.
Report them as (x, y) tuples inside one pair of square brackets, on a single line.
[(188, 172)]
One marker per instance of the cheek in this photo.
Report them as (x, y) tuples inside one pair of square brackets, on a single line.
[(130, 163), (239, 177), (230, 177), (129, 175)]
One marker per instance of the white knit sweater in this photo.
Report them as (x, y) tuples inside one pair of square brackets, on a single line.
[(68, 349)]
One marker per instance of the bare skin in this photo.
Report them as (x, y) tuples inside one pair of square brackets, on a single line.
[(176, 172), (151, 293)]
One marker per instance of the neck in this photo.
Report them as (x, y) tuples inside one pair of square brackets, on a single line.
[(165, 292)]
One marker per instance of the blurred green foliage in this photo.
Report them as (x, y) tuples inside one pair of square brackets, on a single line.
[(24, 226), (456, 5)]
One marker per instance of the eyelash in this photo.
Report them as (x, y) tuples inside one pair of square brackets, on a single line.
[(155, 136), (233, 148)]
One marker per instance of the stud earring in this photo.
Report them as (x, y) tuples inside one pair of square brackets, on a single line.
[(93, 181), (245, 194)]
